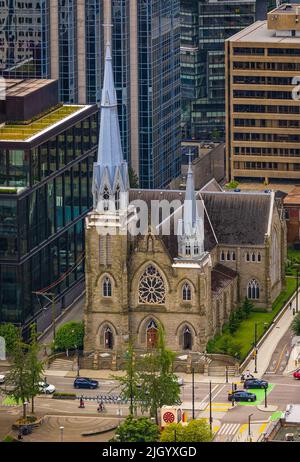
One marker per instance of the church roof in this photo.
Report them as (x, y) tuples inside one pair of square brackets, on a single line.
[(239, 218), (221, 276), (230, 218)]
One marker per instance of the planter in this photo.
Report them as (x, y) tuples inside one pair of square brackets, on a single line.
[(64, 396)]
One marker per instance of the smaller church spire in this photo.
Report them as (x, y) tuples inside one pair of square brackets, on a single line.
[(111, 180), (191, 227)]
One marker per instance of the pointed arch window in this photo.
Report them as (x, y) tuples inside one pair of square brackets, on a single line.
[(253, 257), (233, 256), (186, 292), (106, 199), (117, 198), (259, 257), (196, 249), (188, 249), (222, 255), (107, 287), (253, 290), (187, 338), (152, 288), (152, 334), (228, 256), (247, 256)]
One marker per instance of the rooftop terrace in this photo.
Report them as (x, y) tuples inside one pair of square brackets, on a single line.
[(21, 132)]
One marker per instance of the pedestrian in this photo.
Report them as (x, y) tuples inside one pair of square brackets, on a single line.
[(81, 405)]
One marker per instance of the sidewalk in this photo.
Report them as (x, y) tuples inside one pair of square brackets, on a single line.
[(265, 351), (106, 374)]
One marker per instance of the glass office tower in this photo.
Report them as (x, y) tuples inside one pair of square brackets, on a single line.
[(205, 25), (25, 38), (45, 192)]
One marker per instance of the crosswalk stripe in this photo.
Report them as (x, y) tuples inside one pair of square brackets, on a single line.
[(228, 429), (262, 428), (243, 428)]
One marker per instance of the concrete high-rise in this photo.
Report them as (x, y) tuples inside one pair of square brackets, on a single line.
[(262, 102)]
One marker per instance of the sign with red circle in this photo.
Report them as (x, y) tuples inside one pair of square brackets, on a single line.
[(169, 417)]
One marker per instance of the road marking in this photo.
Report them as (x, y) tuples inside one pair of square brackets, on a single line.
[(229, 429), (216, 428), (280, 357), (262, 428), (243, 428), (205, 399)]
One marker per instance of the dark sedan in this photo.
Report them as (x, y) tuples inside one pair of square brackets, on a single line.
[(255, 383), (84, 382), (241, 396)]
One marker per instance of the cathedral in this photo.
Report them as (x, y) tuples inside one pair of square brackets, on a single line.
[(182, 259)]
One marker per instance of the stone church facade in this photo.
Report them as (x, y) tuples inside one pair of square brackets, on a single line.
[(219, 248)]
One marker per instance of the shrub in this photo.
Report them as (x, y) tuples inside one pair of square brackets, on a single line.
[(58, 395)]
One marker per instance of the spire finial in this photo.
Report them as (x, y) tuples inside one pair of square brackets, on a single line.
[(107, 39)]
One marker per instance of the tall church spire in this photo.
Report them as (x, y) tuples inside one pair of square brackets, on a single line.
[(110, 182), (191, 227)]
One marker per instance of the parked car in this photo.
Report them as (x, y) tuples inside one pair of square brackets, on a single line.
[(46, 388), (255, 383), (296, 374), (2, 379), (84, 382), (241, 395), (180, 381)]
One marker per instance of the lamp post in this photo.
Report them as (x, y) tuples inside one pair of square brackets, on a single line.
[(210, 408), (61, 434), (266, 404), (249, 426), (193, 392), (226, 372)]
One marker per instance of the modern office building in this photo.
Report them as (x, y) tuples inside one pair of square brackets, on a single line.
[(205, 25), (263, 111), (47, 152)]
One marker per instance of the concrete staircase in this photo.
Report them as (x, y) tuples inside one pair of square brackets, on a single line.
[(61, 365), (220, 371)]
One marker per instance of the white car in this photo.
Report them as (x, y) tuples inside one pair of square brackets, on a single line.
[(180, 381), (2, 379), (46, 388)]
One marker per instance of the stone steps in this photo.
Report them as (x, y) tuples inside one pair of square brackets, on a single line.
[(61, 365)]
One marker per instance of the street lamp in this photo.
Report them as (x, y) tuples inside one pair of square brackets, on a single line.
[(266, 404), (61, 434), (193, 392), (226, 372), (249, 426), (210, 408)]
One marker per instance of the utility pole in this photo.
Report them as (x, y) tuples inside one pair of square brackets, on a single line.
[(193, 391), (50, 296), (249, 426)]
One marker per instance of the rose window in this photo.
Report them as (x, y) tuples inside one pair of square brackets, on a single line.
[(152, 289)]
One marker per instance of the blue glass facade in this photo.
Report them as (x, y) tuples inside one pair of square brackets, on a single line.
[(42, 223), (205, 25), (25, 38)]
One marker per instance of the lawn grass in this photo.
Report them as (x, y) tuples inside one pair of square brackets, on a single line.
[(9, 401), (244, 334), (293, 256)]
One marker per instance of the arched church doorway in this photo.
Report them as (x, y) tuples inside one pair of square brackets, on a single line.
[(152, 335), (108, 339), (187, 339)]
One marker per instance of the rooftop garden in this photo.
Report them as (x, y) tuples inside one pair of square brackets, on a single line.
[(17, 131)]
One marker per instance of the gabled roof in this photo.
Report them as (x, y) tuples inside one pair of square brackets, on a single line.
[(221, 277)]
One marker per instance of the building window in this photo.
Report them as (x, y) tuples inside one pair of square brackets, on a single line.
[(222, 255), (108, 339), (233, 256), (187, 339), (247, 257), (188, 249), (152, 288), (228, 256), (117, 198), (259, 257), (107, 287), (186, 292), (253, 290), (253, 257), (106, 199), (196, 249)]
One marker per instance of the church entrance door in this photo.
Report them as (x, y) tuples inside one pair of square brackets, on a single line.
[(108, 339), (151, 337)]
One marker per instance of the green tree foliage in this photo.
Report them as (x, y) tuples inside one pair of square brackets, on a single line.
[(233, 323), (197, 431), (18, 379), (159, 385), (69, 336), (133, 178), (11, 334), (296, 324), (228, 346), (247, 307), (34, 365), (130, 382), (138, 430)]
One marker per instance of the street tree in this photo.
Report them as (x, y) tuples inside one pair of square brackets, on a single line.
[(34, 365), (137, 430), (247, 307), (69, 336), (10, 333), (18, 379), (130, 382), (296, 324), (159, 385), (197, 431)]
